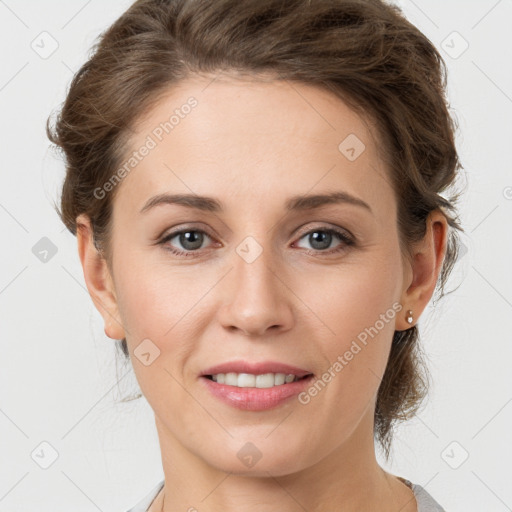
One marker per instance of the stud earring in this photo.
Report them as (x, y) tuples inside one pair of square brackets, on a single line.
[(409, 316)]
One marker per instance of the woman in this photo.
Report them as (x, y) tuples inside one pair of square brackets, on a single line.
[(255, 186)]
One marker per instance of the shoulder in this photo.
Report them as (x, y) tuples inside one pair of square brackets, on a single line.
[(143, 505), (426, 503)]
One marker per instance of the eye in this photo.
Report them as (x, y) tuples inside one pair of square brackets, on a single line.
[(190, 239), (322, 238)]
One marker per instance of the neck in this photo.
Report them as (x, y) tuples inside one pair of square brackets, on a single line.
[(348, 479)]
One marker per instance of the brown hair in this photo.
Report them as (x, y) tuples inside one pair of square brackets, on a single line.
[(365, 52)]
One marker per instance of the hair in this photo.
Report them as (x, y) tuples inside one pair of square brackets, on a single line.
[(364, 52)]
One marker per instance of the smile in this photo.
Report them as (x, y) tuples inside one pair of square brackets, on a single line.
[(249, 380)]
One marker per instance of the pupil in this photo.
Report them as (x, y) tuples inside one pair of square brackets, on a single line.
[(323, 236), (191, 237)]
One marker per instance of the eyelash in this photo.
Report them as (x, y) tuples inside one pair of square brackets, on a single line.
[(346, 239)]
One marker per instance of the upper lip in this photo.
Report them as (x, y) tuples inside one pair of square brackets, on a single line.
[(255, 368)]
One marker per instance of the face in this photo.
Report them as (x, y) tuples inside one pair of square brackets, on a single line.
[(256, 275)]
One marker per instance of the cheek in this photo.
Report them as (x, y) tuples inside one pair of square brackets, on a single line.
[(355, 310), (350, 299), (159, 304), (155, 299)]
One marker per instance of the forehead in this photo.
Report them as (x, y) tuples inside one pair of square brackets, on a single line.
[(240, 138)]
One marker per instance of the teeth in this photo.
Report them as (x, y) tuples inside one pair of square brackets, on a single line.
[(248, 380)]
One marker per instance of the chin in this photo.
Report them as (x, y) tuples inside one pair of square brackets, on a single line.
[(262, 468), (260, 456)]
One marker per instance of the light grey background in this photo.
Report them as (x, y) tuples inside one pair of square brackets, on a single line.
[(58, 373)]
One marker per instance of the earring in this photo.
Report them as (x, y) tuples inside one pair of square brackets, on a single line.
[(409, 316)]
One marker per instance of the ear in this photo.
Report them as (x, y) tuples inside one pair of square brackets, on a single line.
[(98, 279), (428, 257)]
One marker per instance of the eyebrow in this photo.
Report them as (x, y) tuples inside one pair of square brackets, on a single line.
[(295, 203)]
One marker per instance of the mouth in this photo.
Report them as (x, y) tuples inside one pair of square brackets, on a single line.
[(255, 386), (249, 380), (256, 391), (245, 374)]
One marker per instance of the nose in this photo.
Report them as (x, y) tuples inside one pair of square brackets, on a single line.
[(257, 298)]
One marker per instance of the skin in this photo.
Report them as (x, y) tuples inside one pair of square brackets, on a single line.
[(245, 141)]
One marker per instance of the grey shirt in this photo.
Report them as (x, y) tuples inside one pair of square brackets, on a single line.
[(424, 500)]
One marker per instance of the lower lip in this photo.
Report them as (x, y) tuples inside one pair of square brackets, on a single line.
[(256, 399)]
